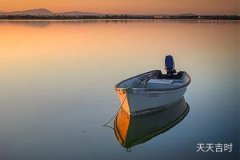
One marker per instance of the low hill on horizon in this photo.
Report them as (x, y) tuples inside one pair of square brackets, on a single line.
[(46, 12), (39, 11), (77, 13)]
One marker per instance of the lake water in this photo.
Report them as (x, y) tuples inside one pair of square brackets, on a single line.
[(57, 87)]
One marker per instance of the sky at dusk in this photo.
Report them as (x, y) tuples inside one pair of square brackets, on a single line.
[(128, 6)]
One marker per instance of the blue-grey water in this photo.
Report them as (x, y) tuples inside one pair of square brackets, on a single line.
[(57, 87)]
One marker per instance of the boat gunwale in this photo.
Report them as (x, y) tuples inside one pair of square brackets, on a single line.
[(144, 90)]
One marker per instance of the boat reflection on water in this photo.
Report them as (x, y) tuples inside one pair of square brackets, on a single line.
[(134, 130)]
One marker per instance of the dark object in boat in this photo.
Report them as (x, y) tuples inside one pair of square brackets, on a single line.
[(170, 66), (158, 75)]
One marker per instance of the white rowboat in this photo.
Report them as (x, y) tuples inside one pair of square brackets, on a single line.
[(151, 90)]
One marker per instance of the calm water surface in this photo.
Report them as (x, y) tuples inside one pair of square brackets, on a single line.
[(57, 79)]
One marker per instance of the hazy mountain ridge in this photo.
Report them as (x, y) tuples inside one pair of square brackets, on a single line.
[(76, 13), (45, 12), (42, 13), (187, 14), (39, 11)]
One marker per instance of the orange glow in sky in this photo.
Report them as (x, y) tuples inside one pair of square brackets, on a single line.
[(128, 6)]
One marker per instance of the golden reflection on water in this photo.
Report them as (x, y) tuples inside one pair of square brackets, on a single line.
[(71, 54), (60, 48)]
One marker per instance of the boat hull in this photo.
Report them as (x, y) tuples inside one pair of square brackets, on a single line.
[(138, 103), (144, 92)]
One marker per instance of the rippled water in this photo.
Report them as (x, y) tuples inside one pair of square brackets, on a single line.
[(57, 79)]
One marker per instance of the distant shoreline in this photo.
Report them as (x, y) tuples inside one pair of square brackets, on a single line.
[(79, 17)]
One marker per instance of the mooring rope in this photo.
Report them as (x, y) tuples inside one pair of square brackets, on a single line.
[(106, 124)]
